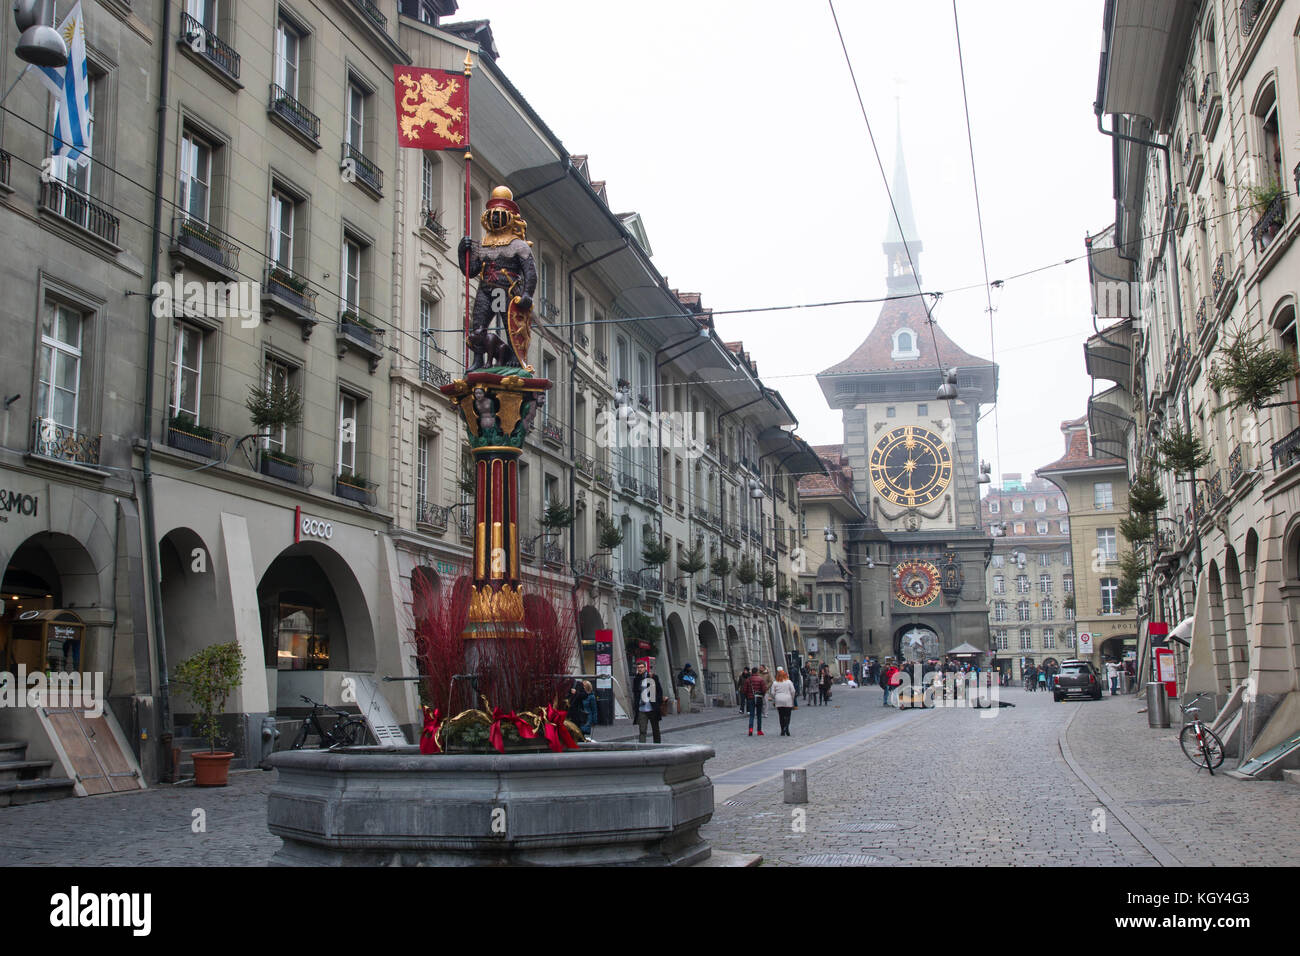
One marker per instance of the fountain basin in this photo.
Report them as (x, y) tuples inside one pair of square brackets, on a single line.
[(606, 804)]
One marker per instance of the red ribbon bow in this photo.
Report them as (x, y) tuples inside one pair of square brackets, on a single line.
[(429, 739), (499, 717), (558, 737)]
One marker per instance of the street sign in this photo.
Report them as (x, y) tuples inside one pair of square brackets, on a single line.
[(1085, 644)]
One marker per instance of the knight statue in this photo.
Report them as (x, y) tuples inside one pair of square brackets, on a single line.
[(507, 278)]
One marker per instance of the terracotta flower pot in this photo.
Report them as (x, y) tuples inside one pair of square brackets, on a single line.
[(212, 769)]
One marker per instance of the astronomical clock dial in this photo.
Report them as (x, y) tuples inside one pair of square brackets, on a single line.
[(910, 466), (917, 583)]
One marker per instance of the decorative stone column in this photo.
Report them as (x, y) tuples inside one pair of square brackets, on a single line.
[(498, 406)]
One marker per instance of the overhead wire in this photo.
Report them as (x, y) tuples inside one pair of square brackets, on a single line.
[(959, 470), (979, 218)]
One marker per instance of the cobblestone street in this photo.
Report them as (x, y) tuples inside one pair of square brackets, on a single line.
[(945, 786)]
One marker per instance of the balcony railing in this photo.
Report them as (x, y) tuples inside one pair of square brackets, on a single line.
[(205, 242), (603, 360), (628, 483), (1219, 280), (432, 374), (198, 440), (431, 515), (602, 474), (52, 440), (355, 163), (649, 492), (1210, 105), (1200, 318), (553, 555), (583, 340), (430, 222), (353, 488), (1270, 223), (585, 464), (593, 568), (528, 550), (4, 168), (1286, 451), (1235, 469), (1249, 14), (208, 45), (1214, 489), (553, 432), (294, 113), (78, 209), (351, 324), (465, 522), (371, 13), (283, 284), (285, 467)]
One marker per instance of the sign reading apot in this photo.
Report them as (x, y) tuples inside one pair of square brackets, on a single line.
[(305, 526)]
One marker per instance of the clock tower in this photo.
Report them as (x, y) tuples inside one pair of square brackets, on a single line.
[(920, 558)]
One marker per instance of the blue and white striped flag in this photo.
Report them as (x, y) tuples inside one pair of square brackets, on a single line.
[(71, 88)]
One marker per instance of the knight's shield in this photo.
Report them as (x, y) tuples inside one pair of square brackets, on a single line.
[(519, 326)]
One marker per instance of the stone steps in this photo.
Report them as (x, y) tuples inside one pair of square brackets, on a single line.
[(1291, 776), (12, 770), (25, 781)]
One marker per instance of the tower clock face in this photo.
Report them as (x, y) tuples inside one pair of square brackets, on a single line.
[(910, 466), (917, 583)]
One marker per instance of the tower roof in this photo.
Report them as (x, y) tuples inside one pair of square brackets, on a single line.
[(879, 353)]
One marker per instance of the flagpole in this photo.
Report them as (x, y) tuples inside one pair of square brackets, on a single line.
[(469, 65), (15, 82)]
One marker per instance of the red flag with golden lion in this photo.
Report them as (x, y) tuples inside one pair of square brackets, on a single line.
[(432, 108)]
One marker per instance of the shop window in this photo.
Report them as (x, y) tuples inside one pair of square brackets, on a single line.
[(302, 638)]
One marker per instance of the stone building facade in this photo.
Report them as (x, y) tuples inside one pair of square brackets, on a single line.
[(1031, 575), (1199, 100)]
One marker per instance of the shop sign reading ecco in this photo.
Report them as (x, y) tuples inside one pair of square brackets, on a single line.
[(305, 526)]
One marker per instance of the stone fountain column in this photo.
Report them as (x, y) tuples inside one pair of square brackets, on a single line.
[(498, 410)]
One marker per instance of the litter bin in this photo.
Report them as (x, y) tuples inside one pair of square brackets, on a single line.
[(1157, 705)]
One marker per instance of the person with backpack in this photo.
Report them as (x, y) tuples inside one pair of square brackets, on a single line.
[(755, 691), (889, 679)]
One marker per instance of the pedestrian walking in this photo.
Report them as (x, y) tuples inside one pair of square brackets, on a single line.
[(589, 710), (888, 680), (825, 684), (741, 682), (783, 698), (1112, 673), (755, 694), (648, 695)]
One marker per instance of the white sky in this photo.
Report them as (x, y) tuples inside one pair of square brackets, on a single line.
[(734, 130)]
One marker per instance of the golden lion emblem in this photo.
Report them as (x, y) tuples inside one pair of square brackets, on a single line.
[(426, 102)]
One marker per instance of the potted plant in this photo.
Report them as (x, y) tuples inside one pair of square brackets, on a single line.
[(352, 486), (185, 433), (211, 676), (1252, 371), (272, 406), (286, 285)]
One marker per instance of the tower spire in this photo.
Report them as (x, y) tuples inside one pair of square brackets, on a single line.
[(898, 269)]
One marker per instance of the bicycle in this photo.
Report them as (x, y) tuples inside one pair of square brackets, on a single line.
[(349, 730), (1199, 742)]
